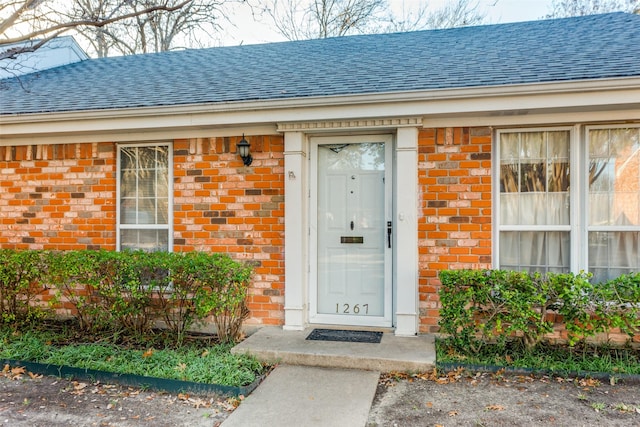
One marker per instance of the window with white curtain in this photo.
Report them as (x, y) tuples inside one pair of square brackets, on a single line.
[(535, 224), (144, 203), (534, 200), (614, 201)]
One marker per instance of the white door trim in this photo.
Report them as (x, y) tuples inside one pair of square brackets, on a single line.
[(352, 320), (297, 248), (407, 202)]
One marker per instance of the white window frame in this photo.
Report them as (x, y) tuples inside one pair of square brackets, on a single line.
[(495, 178), (169, 225), (585, 178), (578, 193)]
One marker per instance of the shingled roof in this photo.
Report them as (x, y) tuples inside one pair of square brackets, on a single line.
[(584, 48)]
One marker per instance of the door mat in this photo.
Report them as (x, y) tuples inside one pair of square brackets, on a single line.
[(345, 336)]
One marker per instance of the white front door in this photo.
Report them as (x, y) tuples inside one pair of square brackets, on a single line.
[(351, 230)]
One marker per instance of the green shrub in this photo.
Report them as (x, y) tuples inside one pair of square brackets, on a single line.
[(125, 292), (126, 283), (20, 273), (73, 274), (494, 306), (617, 305), (223, 295), (203, 285)]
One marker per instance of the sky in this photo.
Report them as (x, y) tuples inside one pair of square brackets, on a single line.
[(247, 31)]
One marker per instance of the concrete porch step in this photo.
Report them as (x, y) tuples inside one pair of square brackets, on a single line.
[(274, 345)]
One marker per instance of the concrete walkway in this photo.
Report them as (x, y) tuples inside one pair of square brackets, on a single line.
[(294, 396), (323, 383), (406, 354)]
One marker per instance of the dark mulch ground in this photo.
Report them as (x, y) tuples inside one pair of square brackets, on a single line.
[(464, 399), (34, 401), (455, 399)]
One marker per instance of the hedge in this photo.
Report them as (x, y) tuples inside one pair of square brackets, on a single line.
[(125, 292), (493, 306)]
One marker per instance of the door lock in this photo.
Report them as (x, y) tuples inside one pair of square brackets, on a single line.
[(389, 230)]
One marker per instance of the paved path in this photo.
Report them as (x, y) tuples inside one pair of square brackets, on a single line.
[(294, 396)]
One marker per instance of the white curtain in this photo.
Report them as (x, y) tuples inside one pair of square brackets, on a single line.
[(534, 186), (614, 201)]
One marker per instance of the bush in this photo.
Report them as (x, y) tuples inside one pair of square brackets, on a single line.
[(20, 272), (125, 292), (126, 283), (204, 285), (223, 295), (72, 273), (494, 306)]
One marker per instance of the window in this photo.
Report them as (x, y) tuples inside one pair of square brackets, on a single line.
[(144, 205), (534, 201), (614, 201), (537, 228)]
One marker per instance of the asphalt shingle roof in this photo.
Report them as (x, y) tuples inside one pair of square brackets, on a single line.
[(592, 47)]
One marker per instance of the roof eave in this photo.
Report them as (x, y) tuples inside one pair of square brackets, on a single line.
[(599, 94)]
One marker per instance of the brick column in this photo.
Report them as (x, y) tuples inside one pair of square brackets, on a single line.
[(454, 228)]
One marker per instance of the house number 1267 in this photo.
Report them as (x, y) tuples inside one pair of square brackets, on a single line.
[(355, 309)]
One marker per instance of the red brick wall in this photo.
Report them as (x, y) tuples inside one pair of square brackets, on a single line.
[(454, 218), (58, 197), (63, 197), (222, 206)]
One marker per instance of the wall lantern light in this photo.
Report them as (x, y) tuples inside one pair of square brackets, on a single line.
[(243, 150)]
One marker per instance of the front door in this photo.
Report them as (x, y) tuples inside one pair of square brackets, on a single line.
[(352, 231)]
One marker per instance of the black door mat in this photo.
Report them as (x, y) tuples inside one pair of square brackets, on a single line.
[(345, 336)]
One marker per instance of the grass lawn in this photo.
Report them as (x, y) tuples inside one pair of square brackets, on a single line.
[(195, 361), (552, 358)]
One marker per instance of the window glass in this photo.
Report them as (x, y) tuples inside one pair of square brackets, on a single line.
[(614, 201), (534, 191), (144, 197)]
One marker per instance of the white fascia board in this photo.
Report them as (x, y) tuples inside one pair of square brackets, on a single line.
[(468, 104), (163, 134)]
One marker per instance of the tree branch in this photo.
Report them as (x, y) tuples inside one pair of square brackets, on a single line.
[(62, 27)]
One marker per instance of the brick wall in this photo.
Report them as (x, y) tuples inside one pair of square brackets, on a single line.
[(58, 197), (454, 218), (63, 197), (222, 206)]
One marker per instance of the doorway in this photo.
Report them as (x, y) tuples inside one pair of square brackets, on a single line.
[(351, 230)]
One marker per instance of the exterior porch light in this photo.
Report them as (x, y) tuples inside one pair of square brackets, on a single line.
[(243, 150)]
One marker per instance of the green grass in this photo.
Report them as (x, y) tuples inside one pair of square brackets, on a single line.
[(211, 365), (557, 359)]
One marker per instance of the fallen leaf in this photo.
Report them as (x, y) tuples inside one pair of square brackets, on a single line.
[(183, 396), (34, 376), (148, 353), (495, 408), (233, 402), (589, 382), (453, 413), (18, 370), (429, 404)]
